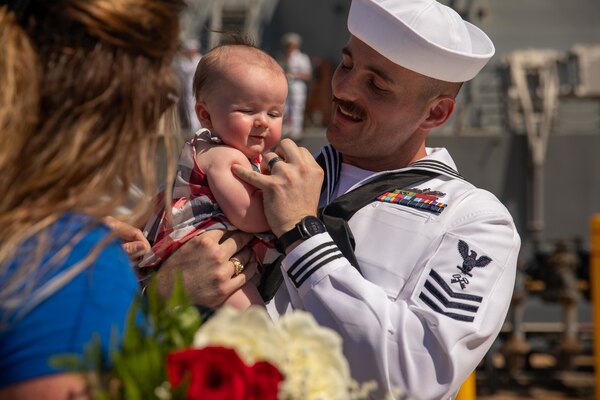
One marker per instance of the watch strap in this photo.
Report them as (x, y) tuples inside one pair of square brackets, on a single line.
[(306, 228), (291, 236)]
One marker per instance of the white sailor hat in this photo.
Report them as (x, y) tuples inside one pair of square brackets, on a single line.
[(422, 35)]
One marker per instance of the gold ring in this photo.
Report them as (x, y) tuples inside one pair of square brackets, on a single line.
[(237, 265), (272, 162)]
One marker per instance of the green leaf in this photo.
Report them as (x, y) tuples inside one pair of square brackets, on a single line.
[(133, 334), (92, 354), (178, 295), (130, 384), (139, 362), (67, 362)]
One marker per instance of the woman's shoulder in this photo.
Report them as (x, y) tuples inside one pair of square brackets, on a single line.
[(94, 286), (80, 231), (90, 241), (76, 245), (67, 240), (80, 222)]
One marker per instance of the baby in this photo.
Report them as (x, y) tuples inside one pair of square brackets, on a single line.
[(240, 99)]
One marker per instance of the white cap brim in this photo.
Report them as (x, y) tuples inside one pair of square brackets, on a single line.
[(391, 36)]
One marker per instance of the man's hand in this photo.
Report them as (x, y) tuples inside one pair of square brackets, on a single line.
[(204, 263), (291, 191), (134, 241)]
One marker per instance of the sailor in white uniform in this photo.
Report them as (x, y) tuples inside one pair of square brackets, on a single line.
[(298, 69), (420, 287), (435, 284)]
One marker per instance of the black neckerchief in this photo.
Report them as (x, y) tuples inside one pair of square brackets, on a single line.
[(336, 215)]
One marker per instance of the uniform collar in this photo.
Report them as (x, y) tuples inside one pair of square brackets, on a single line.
[(437, 160)]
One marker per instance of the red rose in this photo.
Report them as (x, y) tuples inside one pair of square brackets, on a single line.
[(265, 380), (215, 373)]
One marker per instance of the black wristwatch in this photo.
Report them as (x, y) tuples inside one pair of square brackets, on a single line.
[(307, 227)]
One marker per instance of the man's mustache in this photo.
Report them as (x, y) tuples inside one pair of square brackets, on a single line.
[(350, 107)]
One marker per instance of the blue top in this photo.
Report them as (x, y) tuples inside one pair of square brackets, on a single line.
[(95, 301)]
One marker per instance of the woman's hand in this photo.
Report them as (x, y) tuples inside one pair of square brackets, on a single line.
[(134, 241)]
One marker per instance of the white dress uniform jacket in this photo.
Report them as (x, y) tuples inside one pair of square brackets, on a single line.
[(435, 285)]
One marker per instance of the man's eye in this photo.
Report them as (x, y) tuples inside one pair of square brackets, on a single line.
[(375, 87)]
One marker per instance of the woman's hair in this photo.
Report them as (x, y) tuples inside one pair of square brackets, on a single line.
[(84, 85)]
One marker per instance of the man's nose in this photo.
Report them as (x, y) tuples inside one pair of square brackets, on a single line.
[(343, 85)]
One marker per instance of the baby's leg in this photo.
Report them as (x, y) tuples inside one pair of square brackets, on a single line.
[(246, 296)]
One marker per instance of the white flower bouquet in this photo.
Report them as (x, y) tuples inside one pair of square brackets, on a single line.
[(235, 355)]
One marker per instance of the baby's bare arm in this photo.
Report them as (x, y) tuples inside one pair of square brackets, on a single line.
[(241, 203)]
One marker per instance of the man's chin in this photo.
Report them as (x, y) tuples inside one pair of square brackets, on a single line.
[(336, 137), (331, 133)]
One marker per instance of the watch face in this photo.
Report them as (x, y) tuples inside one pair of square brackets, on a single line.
[(313, 226), (307, 227)]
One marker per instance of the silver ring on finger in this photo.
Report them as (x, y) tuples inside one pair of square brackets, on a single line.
[(273, 161), (238, 267)]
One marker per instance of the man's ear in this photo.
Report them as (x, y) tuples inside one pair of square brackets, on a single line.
[(440, 110), (203, 115)]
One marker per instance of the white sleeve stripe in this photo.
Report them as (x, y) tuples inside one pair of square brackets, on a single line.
[(316, 268), (299, 271), (310, 254), (304, 266)]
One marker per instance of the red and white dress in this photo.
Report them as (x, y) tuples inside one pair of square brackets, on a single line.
[(194, 210)]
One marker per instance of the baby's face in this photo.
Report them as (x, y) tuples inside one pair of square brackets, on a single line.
[(246, 111)]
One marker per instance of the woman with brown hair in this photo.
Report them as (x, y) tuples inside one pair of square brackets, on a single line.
[(84, 84)]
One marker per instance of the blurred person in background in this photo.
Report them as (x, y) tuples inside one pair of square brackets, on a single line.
[(298, 69), (185, 65)]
